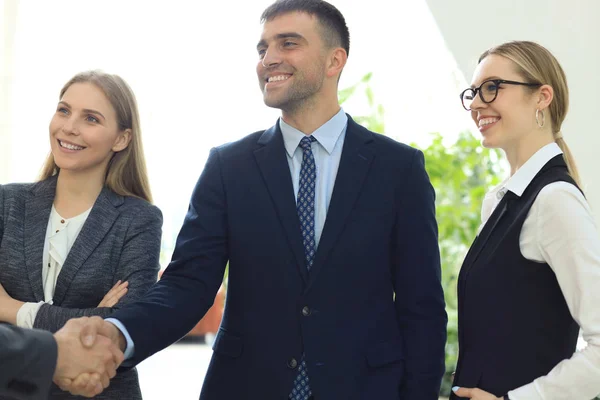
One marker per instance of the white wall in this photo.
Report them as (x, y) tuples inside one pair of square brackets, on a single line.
[(569, 29), (8, 13)]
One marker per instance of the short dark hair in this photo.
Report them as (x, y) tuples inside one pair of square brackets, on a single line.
[(335, 31)]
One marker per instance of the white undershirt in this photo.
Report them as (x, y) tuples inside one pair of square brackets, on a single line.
[(60, 236), (560, 230)]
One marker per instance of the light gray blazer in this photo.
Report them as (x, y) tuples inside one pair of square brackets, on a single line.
[(27, 362), (119, 240)]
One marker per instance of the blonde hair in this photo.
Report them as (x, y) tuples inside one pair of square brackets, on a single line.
[(126, 172), (537, 65)]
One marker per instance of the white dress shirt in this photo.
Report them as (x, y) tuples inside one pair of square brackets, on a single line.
[(60, 236), (560, 230)]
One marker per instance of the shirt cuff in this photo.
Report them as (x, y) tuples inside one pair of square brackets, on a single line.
[(526, 392), (130, 346), (27, 313)]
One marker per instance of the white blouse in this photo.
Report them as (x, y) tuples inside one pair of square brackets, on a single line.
[(60, 236), (560, 230)]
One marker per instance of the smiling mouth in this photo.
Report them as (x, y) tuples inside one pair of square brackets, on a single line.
[(277, 78), (488, 121), (69, 146)]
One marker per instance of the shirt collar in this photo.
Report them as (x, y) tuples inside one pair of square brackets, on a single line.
[(524, 175), (327, 134)]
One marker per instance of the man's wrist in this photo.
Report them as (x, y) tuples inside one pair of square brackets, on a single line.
[(122, 342), (59, 355)]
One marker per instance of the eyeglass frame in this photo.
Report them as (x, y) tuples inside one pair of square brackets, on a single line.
[(498, 82)]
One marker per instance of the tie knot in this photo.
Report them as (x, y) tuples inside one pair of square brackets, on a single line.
[(306, 141)]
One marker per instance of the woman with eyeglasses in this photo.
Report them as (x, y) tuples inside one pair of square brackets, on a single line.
[(531, 279), (85, 239)]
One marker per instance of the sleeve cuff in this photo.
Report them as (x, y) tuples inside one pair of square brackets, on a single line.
[(527, 392), (27, 313), (129, 350)]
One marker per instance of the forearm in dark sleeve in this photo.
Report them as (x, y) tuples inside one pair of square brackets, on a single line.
[(27, 362)]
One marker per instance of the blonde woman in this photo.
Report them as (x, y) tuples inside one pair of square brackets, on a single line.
[(85, 238), (530, 280)]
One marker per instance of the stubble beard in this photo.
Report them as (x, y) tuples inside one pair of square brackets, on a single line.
[(297, 97)]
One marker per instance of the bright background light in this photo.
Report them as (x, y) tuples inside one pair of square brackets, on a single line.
[(192, 67)]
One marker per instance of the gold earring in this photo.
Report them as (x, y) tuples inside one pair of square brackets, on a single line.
[(537, 118)]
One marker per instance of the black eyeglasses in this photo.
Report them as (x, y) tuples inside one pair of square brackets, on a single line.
[(488, 91)]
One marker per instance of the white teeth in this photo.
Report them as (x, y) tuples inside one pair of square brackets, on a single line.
[(278, 78), (70, 146), (487, 121)]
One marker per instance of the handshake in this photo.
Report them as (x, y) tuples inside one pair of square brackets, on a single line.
[(89, 352)]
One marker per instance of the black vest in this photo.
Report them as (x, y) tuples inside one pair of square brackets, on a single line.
[(513, 322)]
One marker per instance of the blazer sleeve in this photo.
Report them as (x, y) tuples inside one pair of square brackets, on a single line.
[(27, 362), (416, 272), (138, 264), (189, 285)]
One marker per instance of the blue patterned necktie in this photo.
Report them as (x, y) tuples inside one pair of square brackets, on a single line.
[(305, 205)]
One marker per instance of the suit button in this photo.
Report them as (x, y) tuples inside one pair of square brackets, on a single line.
[(292, 363), (306, 311)]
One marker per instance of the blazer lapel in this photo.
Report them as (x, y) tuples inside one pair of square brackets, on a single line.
[(273, 165), (357, 155), (37, 213), (98, 223)]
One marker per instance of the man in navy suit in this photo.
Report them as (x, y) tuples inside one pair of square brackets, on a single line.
[(330, 234)]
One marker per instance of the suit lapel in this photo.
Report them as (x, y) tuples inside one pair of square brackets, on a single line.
[(355, 161), (37, 213), (98, 223), (271, 159)]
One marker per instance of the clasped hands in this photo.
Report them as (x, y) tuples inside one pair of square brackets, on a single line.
[(89, 352)]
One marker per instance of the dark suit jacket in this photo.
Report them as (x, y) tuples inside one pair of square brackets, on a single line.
[(27, 362), (379, 238), (119, 240)]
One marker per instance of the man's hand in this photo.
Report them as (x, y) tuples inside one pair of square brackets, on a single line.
[(85, 368), (95, 326)]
